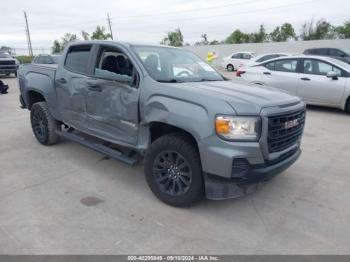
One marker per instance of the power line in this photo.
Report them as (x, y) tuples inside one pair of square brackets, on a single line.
[(151, 15)]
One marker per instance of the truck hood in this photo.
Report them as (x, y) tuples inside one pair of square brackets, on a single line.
[(243, 98), (7, 59)]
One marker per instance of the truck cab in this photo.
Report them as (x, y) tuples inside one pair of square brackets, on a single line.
[(197, 133)]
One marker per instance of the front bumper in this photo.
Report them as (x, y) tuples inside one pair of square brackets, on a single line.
[(8, 69), (247, 181), (233, 168)]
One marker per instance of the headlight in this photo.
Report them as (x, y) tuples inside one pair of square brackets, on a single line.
[(238, 128)]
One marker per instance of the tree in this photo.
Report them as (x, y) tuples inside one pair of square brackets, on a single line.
[(214, 42), (85, 35), (344, 30), (204, 40), (100, 34), (237, 37), (58, 46), (174, 38), (321, 30), (258, 37), (283, 33), (67, 38)]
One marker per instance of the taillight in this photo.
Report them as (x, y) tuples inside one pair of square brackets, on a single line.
[(240, 72)]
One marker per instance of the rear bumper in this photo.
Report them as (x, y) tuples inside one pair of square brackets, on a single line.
[(247, 178)]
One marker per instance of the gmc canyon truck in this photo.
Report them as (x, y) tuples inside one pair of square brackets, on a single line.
[(198, 133)]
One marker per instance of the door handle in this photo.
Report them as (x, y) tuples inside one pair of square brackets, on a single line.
[(305, 79), (95, 88), (62, 81), (266, 73)]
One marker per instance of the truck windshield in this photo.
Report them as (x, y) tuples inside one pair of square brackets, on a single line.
[(166, 64), (4, 55)]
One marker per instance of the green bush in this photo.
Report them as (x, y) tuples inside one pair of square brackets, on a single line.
[(24, 59)]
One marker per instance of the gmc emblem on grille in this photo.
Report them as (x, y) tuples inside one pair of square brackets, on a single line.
[(291, 123)]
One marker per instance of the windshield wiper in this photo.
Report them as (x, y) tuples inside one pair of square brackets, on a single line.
[(173, 80), (206, 79)]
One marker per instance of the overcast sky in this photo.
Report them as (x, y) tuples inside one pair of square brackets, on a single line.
[(148, 21)]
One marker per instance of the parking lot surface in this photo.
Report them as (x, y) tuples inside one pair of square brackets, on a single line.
[(67, 199)]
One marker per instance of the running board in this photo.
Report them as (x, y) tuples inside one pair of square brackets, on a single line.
[(107, 151)]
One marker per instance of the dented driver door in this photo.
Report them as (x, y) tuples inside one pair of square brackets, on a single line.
[(112, 110)]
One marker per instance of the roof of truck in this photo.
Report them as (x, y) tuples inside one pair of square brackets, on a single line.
[(126, 44)]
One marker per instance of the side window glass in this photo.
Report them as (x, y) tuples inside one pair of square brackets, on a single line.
[(113, 64), (323, 51), (316, 67), (335, 52), (77, 58), (270, 66), (266, 57), (288, 65), (246, 56), (237, 56)]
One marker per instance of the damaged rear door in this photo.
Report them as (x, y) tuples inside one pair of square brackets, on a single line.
[(112, 96)]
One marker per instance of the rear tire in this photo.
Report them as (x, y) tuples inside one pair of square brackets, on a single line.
[(230, 68), (173, 170), (43, 124), (347, 107)]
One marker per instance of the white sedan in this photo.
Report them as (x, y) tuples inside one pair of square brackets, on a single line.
[(235, 60), (318, 80)]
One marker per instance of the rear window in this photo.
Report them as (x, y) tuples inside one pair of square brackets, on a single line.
[(321, 51), (268, 57), (77, 58)]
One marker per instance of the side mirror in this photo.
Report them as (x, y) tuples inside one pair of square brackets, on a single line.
[(333, 75)]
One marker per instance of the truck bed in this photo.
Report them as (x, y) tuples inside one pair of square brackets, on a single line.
[(34, 77)]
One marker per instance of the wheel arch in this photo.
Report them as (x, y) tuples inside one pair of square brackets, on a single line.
[(230, 64), (158, 129), (347, 104), (34, 96)]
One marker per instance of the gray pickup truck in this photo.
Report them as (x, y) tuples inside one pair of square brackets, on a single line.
[(197, 132)]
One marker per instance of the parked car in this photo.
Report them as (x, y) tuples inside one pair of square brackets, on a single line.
[(318, 80), (235, 60), (199, 134), (8, 64), (44, 59), (264, 57), (337, 53)]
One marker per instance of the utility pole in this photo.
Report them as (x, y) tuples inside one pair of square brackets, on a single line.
[(30, 49), (110, 25)]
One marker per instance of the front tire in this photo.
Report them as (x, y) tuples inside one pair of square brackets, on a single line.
[(173, 170), (347, 106), (43, 124)]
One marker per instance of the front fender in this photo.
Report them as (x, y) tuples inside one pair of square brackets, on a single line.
[(183, 114)]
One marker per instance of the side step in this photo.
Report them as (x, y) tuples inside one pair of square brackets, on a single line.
[(107, 151)]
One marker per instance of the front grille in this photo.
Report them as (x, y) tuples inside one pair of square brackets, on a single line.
[(285, 130), (7, 67), (10, 62)]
